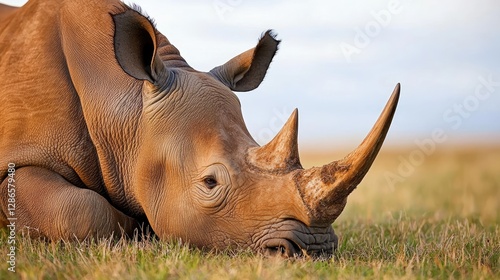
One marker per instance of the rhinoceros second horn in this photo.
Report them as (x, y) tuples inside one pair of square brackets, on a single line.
[(281, 154)]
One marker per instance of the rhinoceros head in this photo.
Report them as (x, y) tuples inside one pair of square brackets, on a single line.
[(201, 177)]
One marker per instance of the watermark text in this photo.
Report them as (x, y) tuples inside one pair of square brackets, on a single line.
[(454, 116), (11, 216), (223, 7), (372, 29)]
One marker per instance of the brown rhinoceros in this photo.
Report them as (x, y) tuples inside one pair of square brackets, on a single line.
[(104, 127)]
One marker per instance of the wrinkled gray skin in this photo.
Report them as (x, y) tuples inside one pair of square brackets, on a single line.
[(110, 128)]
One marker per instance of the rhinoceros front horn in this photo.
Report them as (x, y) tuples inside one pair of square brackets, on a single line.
[(325, 189)]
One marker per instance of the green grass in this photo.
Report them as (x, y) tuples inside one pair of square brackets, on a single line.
[(441, 221)]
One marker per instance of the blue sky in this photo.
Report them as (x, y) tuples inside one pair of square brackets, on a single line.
[(340, 60)]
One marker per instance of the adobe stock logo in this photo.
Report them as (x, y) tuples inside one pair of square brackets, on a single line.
[(280, 116), (454, 116), (223, 7), (372, 29)]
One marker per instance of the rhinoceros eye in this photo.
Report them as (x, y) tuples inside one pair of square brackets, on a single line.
[(210, 182), (212, 187)]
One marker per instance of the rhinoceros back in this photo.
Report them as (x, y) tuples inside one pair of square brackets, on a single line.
[(41, 121)]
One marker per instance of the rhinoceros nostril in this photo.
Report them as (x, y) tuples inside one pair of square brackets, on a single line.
[(274, 251), (282, 247)]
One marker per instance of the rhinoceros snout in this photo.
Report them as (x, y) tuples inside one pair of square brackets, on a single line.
[(294, 239)]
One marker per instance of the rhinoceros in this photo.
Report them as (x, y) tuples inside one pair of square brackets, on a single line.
[(104, 128)]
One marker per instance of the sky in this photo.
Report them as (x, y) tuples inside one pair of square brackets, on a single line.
[(339, 61)]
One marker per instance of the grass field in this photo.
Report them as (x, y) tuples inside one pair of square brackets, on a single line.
[(435, 216)]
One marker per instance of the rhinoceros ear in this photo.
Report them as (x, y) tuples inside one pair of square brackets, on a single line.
[(246, 71), (135, 46)]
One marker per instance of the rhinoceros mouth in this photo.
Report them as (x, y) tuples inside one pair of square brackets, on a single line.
[(291, 238)]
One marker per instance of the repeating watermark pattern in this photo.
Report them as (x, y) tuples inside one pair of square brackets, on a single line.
[(454, 117), (280, 116), (11, 216), (223, 7), (372, 29)]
